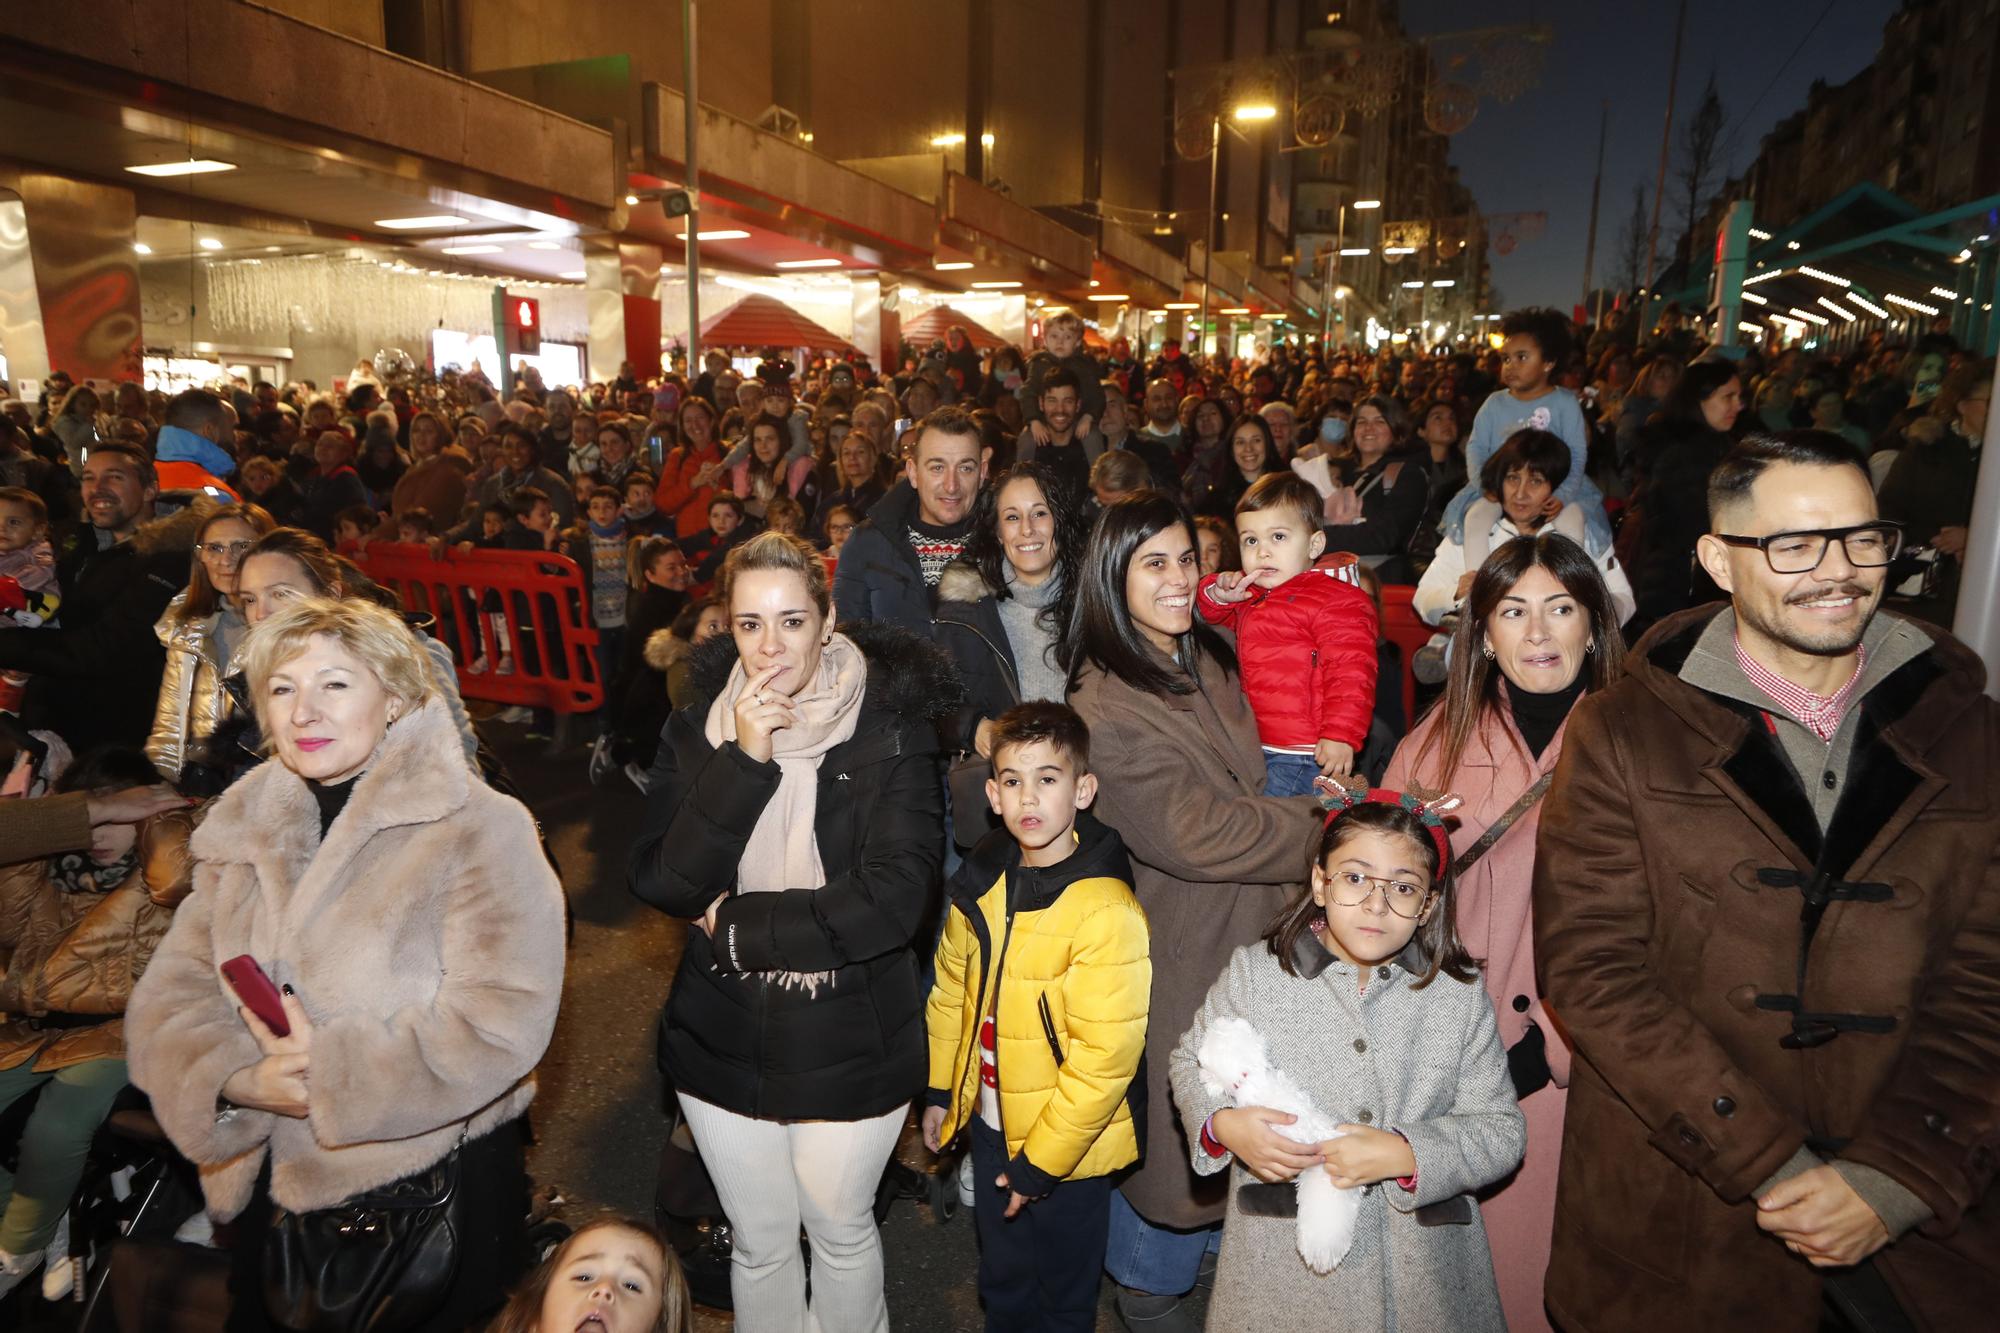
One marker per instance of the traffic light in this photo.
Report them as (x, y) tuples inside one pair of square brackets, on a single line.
[(523, 322)]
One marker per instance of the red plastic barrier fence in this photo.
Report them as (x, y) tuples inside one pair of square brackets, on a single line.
[(1402, 627), (514, 620)]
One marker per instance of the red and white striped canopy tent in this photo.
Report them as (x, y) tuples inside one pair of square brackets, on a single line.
[(765, 321), (937, 321)]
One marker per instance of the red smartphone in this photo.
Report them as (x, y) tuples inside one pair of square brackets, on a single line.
[(259, 996)]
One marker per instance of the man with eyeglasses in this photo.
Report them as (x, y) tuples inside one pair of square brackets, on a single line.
[(1767, 915), (96, 672)]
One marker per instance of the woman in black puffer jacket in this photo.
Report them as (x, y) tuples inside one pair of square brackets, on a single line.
[(794, 816)]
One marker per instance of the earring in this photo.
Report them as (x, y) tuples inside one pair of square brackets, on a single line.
[(1590, 647), (1486, 650), (826, 642)]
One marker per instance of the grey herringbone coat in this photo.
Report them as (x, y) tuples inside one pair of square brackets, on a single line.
[(1427, 1063)]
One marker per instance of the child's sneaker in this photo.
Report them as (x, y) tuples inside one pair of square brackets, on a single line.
[(968, 1193), (478, 665), (58, 1269), (506, 666)]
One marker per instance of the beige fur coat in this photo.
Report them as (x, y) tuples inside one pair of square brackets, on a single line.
[(424, 938)]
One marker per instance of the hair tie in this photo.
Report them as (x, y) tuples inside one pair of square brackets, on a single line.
[(1429, 807)]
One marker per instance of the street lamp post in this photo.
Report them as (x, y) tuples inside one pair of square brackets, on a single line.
[(1208, 247)]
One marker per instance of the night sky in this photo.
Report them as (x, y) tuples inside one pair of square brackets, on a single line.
[(1539, 151)]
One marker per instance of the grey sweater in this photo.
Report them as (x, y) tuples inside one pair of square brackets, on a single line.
[(1033, 646), (1427, 1063)]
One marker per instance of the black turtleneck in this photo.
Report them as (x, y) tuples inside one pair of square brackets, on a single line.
[(1540, 716), (332, 798)]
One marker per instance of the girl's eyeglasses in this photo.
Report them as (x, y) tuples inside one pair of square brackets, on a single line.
[(1350, 888)]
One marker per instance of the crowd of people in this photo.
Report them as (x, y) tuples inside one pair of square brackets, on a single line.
[(1022, 746)]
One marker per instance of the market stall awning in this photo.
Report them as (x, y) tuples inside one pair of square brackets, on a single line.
[(764, 321), (937, 321)]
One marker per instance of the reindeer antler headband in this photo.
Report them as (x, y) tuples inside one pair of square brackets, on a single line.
[(1430, 807)]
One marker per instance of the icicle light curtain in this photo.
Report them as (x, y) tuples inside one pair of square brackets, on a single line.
[(373, 300)]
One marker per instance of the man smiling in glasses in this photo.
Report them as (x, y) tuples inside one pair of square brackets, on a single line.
[(1767, 910)]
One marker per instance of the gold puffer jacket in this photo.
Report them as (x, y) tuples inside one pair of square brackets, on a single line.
[(193, 702), (69, 958)]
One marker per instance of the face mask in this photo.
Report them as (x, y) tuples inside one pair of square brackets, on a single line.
[(1332, 430)]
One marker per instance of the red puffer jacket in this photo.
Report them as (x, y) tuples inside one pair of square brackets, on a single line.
[(1307, 652)]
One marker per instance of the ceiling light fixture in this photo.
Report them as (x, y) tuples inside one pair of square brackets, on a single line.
[(1908, 304), (1444, 282), (1946, 292), (1868, 305), (728, 235), (1353, 250), (200, 166), (471, 250), (1807, 314), (1418, 283), (418, 224), (1366, 204), (141, 248), (1820, 273), (1181, 305), (1121, 296), (807, 263), (996, 285), (1837, 308), (1763, 277), (1234, 310), (1759, 234), (1399, 249), (1095, 283), (631, 200), (210, 243), (1259, 111), (951, 265)]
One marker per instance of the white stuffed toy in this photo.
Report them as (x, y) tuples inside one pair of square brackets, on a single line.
[(1233, 1061)]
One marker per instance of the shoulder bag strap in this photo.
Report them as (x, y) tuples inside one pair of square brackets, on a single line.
[(1498, 828)]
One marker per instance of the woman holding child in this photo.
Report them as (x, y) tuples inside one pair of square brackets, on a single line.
[(1180, 771), (792, 817), (1539, 631)]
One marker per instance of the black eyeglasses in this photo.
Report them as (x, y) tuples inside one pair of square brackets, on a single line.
[(1868, 546)]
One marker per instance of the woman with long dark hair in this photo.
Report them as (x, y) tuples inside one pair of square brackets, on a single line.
[(1671, 464), (1386, 489), (1253, 453), (1539, 632), (1181, 775), (1207, 450)]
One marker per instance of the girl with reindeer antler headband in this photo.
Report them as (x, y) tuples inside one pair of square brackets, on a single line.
[(1365, 998)]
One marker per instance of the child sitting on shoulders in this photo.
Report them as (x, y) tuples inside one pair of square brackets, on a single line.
[(1038, 1024), (1305, 636), (1366, 999), (1536, 343)]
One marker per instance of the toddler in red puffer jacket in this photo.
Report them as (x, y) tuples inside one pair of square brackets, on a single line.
[(1305, 636)]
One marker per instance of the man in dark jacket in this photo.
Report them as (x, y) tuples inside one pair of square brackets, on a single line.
[(1784, 1096), (890, 567), (95, 677)]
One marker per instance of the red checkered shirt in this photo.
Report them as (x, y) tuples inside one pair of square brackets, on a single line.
[(1818, 713)]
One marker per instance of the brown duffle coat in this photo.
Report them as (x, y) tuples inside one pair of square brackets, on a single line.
[(1181, 777), (1737, 986)]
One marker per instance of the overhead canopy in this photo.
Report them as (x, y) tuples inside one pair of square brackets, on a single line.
[(936, 321), (1866, 251), (764, 321)]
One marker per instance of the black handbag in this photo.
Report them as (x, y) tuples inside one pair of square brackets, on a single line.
[(383, 1260)]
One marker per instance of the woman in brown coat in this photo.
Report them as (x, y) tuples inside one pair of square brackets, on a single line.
[(1180, 776), (406, 909), (76, 929)]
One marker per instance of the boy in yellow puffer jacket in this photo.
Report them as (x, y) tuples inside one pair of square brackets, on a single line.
[(1038, 1024)]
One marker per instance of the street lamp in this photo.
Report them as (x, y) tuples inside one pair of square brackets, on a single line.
[(1333, 268), (1248, 112)]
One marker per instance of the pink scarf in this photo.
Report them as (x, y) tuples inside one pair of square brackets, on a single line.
[(783, 852)]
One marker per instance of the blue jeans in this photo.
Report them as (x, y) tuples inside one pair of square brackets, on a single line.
[(1155, 1260), (1289, 774)]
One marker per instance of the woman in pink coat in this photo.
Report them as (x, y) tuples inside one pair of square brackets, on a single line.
[(1537, 633)]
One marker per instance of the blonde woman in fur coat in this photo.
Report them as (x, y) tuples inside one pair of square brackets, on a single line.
[(407, 912)]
